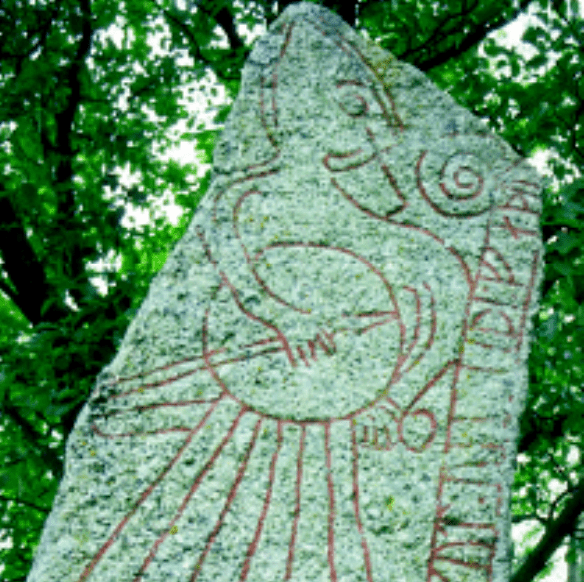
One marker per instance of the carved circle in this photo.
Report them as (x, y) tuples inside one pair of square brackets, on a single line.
[(338, 371), (457, 177), (410, 429)]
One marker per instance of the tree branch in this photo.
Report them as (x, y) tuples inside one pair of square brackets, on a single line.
[(174, 21), (22, 266), (225, 20), (32, 436), (476, 35), (42, 30), (27, 503), (555, 532), (527, 517), (67, 206), (550, 427), (8, 291), (440, 32)]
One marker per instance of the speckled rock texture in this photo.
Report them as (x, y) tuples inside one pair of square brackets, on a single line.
[(324, 381)]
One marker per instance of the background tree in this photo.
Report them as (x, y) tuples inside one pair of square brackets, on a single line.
[(77, 110)]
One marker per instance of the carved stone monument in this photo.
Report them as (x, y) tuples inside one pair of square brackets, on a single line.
[(325, 379)]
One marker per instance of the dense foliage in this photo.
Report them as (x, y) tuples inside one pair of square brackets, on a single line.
[(80, 110)]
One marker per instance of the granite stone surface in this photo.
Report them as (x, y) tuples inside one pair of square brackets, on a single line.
[(324, 381)]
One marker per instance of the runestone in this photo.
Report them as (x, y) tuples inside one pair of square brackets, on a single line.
[(325, 379)]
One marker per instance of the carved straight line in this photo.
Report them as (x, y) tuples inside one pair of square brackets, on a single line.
[(143, 497), (254, 544), (190, 493), (297, 507), (229, 500), (366, 555)]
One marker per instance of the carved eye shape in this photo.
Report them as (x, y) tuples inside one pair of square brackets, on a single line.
[(353, 104)]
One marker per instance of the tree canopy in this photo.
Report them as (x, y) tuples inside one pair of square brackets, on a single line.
[(79, 110)]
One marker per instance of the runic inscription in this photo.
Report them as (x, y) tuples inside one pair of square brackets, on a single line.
[(325, 379)]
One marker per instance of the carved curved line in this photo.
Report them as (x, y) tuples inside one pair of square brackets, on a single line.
[(428, 200)]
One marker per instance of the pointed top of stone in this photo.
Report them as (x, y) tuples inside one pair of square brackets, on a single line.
[(331, 23), (325, 379)]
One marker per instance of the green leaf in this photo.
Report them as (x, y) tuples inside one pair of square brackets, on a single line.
[(492, 49), (566, 242), (222, 114), (549, 327), (537, 61), (56, 173)]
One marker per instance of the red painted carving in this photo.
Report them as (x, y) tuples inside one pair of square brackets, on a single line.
[(383, 420)]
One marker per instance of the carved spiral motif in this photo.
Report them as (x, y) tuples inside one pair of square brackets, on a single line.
[(455, 176), (459, 180)]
